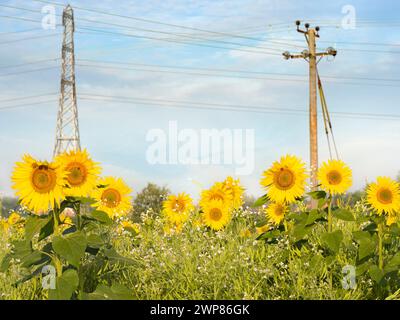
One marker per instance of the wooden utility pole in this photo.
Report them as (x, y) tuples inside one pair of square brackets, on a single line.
[(311, 55)]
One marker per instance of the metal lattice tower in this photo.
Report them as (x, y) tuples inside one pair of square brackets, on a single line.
[(67, 134)]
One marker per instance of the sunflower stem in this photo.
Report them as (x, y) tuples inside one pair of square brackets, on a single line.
[(55, 218), (380, 244), (330, 213)]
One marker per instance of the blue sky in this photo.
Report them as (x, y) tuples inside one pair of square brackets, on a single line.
[(115, 133)]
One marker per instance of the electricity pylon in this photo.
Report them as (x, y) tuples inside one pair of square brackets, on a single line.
[(311, 55), (67, 133)]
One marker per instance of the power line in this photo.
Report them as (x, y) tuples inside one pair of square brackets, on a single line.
[(156, 31), (234, 70), (26, 71), (227, 107), (224, 76), (26, 104), (29, 63), (30, 38), (182, 42), (151, 21), (20, 31), (29, 97)]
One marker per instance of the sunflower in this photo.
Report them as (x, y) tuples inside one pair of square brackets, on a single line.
[(171, 228), (215, 214), (177, 208), (335, 176), (39, 184), (14, 218), (82, 172), (263, 229), (112, 196), (285, 180), (392, 219), (384, 196), (218, 191), (234, 188), (129, 226), (276, 212), (245, 233)]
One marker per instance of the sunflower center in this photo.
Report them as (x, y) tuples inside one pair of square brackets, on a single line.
[(215, 214), (111, 197), (77, 174), (334, 177), (279, 210), (284, 179), (179, 206), (43, 179), (384, 196)]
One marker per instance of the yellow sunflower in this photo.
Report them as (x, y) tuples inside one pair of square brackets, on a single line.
[(391, 219), (276, 212), (285, 180), (263, 229), (130, 226), (82, 172), (335, 176), (178, 208), (113, 197), (384, 196), (14, 218), (215, 214), (39, 184), (218, 191), (171, 228), (235, 189)]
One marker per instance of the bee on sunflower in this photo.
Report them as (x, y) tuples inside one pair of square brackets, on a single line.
[(113, 197), (81, 172), (177, 208), (285, 180), (39, 184)]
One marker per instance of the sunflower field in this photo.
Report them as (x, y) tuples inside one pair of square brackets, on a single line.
[(73, 237)]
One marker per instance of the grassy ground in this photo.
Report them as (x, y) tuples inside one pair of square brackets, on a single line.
[(199, 263)]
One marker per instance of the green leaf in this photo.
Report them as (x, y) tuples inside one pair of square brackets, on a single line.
[(115, 292), (94, 240), (34, 258), (300, 231), (5, 263), (47, 230), (376, 273), (319, 194), (322, 202), (366, 248), (269, 235), (332, 240), (360, 235), (261, 201), (114, 256), (343, 214), (312, 216), (395, 261), (65, 286), (34, 224), (101, 216), (71, 247), (21, 248)]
